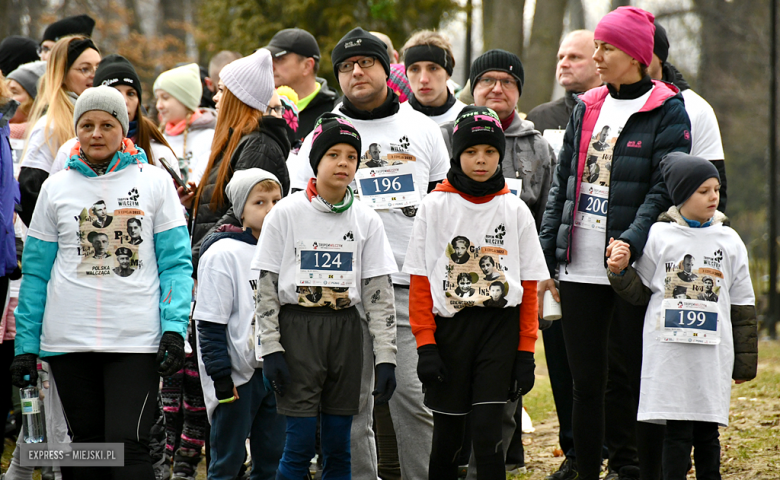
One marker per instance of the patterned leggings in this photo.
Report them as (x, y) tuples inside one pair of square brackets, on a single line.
[(185, 428)]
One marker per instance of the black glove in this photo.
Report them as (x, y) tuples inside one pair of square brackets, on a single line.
[(170, 355), (223, 388), (522, 375), (430, 366), (276, 371), (385, 383), (24, 364), (544, 324)]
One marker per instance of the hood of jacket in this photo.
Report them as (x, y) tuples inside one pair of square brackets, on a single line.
[(276, 128), (206, 119), (674, 76), (325, 95), (128, 155), (520, 128), (673, 215), (228, 231)]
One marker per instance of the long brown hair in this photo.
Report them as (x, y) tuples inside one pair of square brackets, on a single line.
[(235, 119), (147, 131)]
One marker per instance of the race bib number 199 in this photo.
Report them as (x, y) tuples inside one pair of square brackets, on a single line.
[(325, 264), (388, 187), (690, 321)]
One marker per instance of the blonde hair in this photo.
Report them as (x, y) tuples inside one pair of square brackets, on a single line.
[(53, 100), (430, 37)]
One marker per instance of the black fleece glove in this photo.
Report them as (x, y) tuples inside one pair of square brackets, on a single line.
[(385, 383), (223, 388), (170, 355), (430, 366), (24, 364), (522, 375), (276, 371)]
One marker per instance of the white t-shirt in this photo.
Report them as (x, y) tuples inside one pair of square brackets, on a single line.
[(705, 133), (295, 219), (408, 137), (38, 154), (590, 218), (104, 291), (158, 149), (196, 158), (686, 381), (450, 115), (474, 254), (227, 296)]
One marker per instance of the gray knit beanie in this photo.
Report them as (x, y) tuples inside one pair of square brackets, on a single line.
[(27, 76), (242, 183), (102, 98), (251, 79)]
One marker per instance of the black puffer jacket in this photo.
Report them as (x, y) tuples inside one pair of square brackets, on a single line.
[(637, 193), (265, 148)]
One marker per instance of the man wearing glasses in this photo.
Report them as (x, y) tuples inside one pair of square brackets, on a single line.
[(400, 135)]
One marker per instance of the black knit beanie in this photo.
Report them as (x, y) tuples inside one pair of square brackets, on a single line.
[(660, 42), (117, 70), (77, 46), (476, 126), (16, 50), (684, 174), (360, 42), (76, 25), (332, 129), (498, 60)]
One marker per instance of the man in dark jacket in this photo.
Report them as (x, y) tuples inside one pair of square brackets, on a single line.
[(576, 73), (296, 58)]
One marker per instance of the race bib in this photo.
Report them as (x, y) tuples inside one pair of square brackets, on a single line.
[(592, 207), (554, 138), (690, 321), (388, 187), (515, 186), (325, 264)]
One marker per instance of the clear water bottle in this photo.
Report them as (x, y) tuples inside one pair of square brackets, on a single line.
[(32, 413)]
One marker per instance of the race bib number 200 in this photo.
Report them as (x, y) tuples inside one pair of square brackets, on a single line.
[(690, 321), (592, 207), (325, 264), (388, 187)]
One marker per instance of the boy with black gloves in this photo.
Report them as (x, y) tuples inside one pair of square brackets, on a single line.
[(476, 350)]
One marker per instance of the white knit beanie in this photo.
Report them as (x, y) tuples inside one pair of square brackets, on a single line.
[(251, 79), (106, 99), (183, 84)]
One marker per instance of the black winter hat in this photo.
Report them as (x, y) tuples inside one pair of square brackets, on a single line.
[(477, 126), (116, 70), (76, 25), (360, 42), (660, 42), (498, 60), (684, 174), (16, 50), (332, 129)]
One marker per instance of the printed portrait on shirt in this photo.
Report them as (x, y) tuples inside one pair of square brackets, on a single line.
[(313, 296), (694, 279), (474, 274), (598, 164), (386, 176), (109, 239)]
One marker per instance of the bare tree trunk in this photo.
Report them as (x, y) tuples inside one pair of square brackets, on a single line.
[(540, 57), (620, 3), (576, 15), (502, 25)]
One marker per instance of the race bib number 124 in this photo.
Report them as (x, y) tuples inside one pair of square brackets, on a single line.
[(325, 264)]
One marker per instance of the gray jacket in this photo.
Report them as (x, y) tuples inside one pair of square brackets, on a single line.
[(528, 157)]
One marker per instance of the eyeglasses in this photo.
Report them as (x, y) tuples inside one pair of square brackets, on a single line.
[(86, 71), (41, 50), (364, 63), (277, 111), (506, 83)]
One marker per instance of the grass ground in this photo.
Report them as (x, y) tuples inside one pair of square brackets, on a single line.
[(750, 445)]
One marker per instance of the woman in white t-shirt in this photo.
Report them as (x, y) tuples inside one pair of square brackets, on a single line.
[(608, 185), (108, 314)]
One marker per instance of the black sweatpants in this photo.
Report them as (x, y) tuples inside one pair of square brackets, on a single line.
[(109, 397), (601, 330), (680, 437)]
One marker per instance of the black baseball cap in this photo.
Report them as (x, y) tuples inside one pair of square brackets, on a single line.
[(294, 40)]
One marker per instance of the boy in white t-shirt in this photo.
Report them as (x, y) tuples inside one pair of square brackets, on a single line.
[(475, 320), (701, 325), (319, 255), (239, 403)]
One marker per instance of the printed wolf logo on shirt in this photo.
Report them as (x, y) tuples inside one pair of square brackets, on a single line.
[(684, 281), (474, 275), (109, 240)]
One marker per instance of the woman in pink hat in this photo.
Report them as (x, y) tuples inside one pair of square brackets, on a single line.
[(608, 187)]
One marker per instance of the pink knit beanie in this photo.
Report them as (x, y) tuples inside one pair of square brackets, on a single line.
[(631, 30)]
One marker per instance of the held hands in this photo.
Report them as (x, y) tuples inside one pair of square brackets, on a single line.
[(523, 377), (385, 383), (542, 287), (170, 355), (430, 366), (618, 254), (276, 371)]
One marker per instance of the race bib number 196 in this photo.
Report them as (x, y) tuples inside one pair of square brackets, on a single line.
[(388, 187), (690, 321), (325, 264)]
